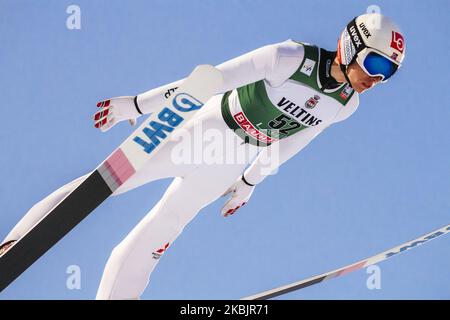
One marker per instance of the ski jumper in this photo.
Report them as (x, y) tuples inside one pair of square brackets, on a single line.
[(281, 95)]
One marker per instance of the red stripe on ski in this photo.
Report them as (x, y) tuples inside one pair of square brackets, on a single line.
[(353, 268), (349, 269), (119, 167)]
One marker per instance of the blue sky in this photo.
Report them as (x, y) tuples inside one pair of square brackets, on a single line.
[(378, 179)]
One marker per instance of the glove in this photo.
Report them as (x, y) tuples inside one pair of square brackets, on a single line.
[(115, 110), (241, 192)]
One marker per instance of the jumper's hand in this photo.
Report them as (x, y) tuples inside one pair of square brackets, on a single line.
[(240, 194), (114, 110)]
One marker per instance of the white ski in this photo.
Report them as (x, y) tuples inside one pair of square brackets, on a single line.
[(353, 267)]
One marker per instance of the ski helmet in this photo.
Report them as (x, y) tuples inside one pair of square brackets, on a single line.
[(375, 42)]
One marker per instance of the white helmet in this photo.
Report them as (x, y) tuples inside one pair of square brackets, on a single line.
[(375, 37)]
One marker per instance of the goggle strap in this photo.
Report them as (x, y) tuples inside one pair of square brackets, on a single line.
[(355, 35)]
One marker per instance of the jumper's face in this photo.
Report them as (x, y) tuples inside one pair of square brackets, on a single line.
[(359, 79)]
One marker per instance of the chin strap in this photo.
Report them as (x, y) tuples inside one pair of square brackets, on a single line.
[(344, 71)]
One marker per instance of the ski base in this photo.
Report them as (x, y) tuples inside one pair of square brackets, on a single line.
[(61, 219)]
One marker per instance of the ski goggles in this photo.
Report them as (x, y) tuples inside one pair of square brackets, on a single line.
[(375, 64)]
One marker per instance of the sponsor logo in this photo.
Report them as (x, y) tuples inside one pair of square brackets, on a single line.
[(312, 102), (308, 67), (245, 124), (306, 118), (345, 93), (397, 42), (416, 243), (168, 120), (169, 92), (355, 37), (158, 253), (364, 30), (394, 56)]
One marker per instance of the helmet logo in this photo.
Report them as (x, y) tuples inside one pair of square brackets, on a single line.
[(365, 30), (355, 37), (397, 41)]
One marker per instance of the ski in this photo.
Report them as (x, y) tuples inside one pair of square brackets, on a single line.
[(350, 268), (127, 159)]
